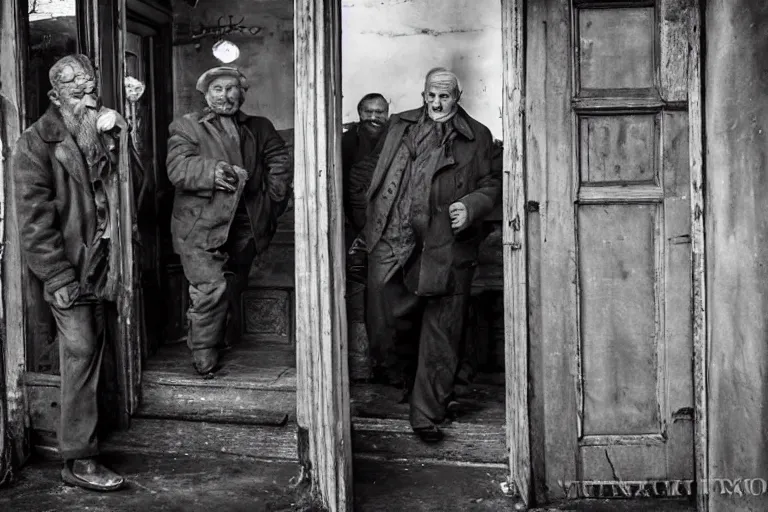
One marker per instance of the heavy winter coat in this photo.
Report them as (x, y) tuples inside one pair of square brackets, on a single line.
[(467, 172), (55, 203), (202, 215)]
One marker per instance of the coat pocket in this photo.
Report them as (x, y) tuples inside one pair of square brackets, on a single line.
[(184, 219)]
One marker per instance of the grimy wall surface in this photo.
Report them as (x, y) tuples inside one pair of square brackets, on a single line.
[(266, 58), (389, 45), (736, 160)]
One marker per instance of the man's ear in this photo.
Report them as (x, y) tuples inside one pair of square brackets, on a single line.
[(53, 95), (458, 96)]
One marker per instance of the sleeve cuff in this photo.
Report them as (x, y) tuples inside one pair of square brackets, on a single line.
[(60, 280)]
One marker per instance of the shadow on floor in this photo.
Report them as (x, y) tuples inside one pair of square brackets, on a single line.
[(225, 483), (160, 483)]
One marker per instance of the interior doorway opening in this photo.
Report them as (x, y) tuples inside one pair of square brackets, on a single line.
[(383, 73), (256, 382)]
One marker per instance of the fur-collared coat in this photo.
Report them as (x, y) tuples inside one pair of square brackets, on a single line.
[(202, 215), (55, 204), (466, 171)]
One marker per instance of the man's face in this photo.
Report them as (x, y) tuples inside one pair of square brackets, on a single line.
[(224, 95), (374, 114), (440, 101), (76, 92)]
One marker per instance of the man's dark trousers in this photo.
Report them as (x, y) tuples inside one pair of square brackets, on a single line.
[(393, 311), (216, 280), (81, 330)]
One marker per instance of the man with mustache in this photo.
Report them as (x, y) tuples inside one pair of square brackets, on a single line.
[(232, 174), (64, 171), (434, 182)]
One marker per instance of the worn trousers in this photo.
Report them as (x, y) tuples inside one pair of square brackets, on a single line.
[(216, 279), (403, 326), (81, 330)]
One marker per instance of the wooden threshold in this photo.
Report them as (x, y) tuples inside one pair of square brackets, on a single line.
[(380, 426), (464, 442), (256, 385), (188, 437)]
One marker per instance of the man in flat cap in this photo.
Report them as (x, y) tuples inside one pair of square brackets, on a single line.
[(65, 169), (434, 182), (232, 174)]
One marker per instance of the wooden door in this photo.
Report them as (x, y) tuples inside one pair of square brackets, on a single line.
[(608, 165)]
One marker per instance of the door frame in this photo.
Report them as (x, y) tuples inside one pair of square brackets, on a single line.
[(99, 33), (323, 409)]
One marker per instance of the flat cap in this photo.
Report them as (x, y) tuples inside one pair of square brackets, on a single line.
[(206, 78)]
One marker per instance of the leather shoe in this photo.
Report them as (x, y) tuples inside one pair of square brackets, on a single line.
[(431, 434), (90, 474), (205, 360)]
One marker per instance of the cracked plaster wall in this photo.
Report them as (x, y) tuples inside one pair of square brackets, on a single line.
[(389, 45)]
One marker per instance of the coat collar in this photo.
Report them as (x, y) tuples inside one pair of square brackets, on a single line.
[(460, 121), (209, 115), (52, 130), (51, 126)]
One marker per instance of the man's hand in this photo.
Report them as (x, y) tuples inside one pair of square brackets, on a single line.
[(66, 295), (459, 215), (109, 119), (225, 177)]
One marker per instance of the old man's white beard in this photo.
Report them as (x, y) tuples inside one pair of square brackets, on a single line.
[(81, 123)]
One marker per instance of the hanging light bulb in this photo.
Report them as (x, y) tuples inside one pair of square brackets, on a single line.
[(226, 51)]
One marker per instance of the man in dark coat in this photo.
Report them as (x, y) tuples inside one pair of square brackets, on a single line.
[(65, 185), (360, 148), (232, 174), (433, 184)]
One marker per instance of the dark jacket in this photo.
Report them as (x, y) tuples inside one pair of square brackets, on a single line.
[(54, 203), (466, 172), (202, 215), (359, 153)]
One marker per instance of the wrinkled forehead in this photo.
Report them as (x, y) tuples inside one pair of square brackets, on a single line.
[(224, 82), (74, 77), (375, 104), (438, 90)]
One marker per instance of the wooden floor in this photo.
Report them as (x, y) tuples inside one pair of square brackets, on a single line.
[(256, 386)]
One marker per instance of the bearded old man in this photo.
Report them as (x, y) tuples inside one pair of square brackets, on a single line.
[(64, 170), (434, 182), (232, 174)]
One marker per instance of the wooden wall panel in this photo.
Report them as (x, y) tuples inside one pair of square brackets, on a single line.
[(617, 285), (616, 48), (618, 149)]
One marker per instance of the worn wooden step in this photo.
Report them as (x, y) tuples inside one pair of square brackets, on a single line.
[(463, 442), (266, 397), (255, 385), (189, 437)]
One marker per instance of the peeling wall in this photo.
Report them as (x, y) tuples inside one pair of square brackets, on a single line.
[(736, 128), (266, 58), (389, 45)]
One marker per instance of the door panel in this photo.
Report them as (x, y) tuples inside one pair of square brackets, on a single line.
[(615, 275)]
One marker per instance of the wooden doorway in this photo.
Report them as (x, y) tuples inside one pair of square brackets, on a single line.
[(614, 171)]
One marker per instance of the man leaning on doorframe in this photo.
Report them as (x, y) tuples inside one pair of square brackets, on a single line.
[(435, 181), (65, 172), (232, 174)]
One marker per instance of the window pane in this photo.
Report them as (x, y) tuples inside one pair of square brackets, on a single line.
[(52, 35)]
